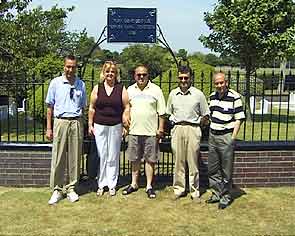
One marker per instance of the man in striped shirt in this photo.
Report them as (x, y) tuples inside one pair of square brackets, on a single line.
[(226, 117)]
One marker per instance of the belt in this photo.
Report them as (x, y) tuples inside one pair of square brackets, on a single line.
[(221, 132), (183, 123), (69, 118)]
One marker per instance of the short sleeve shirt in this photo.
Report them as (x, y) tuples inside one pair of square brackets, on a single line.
[(59, 96), (190, 106), (145, 107), (225, 110)]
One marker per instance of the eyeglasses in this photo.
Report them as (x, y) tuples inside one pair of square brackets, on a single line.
[(143, 74), (72, 90), (183, 77)]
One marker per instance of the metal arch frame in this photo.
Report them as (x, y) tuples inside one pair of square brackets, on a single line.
[(100, 40), (165, 43)]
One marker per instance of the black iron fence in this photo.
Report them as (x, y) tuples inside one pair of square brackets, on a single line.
[(269, 104)]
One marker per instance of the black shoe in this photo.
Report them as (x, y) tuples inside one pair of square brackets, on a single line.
[(225, 201), (222, 206), (151, 193), (213, 199), (129, 190)]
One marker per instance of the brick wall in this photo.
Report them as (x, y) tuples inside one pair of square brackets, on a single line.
[(27, 168), (263, 168), (24, 168)]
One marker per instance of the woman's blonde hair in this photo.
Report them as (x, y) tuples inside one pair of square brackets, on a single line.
[(107, 65)]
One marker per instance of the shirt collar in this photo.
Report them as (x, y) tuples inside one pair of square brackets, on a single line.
[(147, 85), (65, 80), (178, 91), (224, 95)]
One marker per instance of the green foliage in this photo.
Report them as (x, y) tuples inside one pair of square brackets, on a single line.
[(202, 80), (31, 35), (156, 58), (255, 31), (252, 30), (77, 43), (35, 40), (182, 53), (212, 59), (199, 56), (48, 67), (37, 106), (107, 55)]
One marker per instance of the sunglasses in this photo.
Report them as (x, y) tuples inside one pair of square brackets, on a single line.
[(183, 77), (72, 93), (143, 74), (110, 62)]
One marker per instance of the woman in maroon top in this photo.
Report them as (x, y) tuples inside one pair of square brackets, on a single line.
[(108, 110)]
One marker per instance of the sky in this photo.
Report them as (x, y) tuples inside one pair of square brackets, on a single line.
[(181, 21)]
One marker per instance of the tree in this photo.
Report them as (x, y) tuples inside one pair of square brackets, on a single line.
[(199, 56), (212, 59), (229, 61), (255, 31), (30, 35), (106, 55), (77, 43), (182, 53), (156, 58)]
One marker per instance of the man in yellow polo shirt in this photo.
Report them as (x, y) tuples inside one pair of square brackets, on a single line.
[(147, 109)]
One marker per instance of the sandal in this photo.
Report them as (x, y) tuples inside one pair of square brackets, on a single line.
[(151, 193), (129, 189)]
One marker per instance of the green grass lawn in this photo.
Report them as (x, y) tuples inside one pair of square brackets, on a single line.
[(259, 211)]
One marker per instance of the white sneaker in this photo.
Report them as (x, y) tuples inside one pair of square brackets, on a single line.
[(72, 196), (195, 194), (112, 192), (99, 192), (55, 197)]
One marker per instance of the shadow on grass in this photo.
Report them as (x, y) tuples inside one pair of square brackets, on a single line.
[(236, 192), (87, 185), (275, 118)]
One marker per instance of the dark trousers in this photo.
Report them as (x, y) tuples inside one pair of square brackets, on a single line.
[(220, 163)]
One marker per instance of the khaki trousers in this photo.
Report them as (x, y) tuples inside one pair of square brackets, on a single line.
[(185, 145), (66, 152)]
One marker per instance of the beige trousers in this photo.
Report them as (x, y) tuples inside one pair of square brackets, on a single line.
[(66, 153), (185, 145)]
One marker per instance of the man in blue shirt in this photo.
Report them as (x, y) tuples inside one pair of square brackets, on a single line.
[(65, 101)]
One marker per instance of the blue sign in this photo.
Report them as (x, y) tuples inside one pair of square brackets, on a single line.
[(136, 25)]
